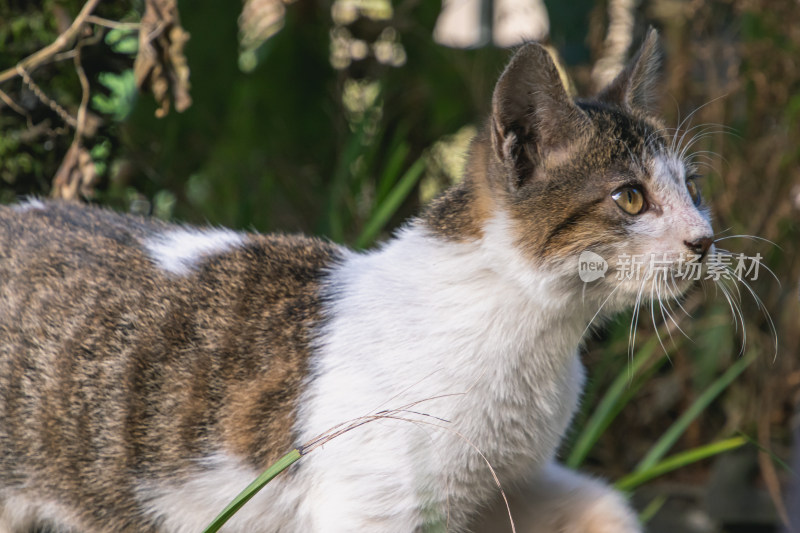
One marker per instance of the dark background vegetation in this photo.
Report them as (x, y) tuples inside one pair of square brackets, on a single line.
[(295, 134)]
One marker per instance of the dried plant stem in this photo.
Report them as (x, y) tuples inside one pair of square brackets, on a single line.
[(12, 104), (49, 102), (85, 93), (113, 24), (66, 184), (62, 41)]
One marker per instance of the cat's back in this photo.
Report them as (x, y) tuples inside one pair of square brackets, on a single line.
[(132, 349), (73, 260)]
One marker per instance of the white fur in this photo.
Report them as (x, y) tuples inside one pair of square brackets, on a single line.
[(23, 511), (179, 251), (29, 204), (415, 321), (539, 506), (677, 219), (419, 319), (189, 504)]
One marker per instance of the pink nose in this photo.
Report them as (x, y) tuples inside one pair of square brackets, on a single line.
[(699, 246)]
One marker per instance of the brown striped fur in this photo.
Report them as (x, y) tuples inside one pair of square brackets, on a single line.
[(112, 369)]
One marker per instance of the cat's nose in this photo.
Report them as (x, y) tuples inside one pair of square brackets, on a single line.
[(699, 246)]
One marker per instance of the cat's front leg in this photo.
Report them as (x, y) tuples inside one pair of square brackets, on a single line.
[(559, 500)]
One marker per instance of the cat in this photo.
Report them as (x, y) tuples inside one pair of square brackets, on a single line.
[(150, 371)]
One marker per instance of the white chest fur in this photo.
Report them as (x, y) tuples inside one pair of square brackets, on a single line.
[(479, 348)]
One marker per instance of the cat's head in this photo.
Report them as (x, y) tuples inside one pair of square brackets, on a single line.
[(600, 175)]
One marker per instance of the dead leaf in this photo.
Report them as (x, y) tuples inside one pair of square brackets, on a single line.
[(160, 64), (260, 20)]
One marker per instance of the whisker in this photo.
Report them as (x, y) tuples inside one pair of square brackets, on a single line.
[(677, 300), (753, 237), (764, 311), (632, 332), (600, 309), (653, 314), (665, 312), (704, 129), (723, 231), (735, 314), (752, 258), (671, 311)]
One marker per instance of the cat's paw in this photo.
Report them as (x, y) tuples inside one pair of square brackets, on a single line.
[(559, 500), (608, 513)]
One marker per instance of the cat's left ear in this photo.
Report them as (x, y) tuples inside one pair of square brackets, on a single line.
[(533, 116), (636, 87)]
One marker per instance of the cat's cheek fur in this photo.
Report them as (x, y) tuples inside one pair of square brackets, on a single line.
[(677, 220)]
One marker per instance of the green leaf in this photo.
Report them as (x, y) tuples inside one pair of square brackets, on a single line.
[(123, 41), (391, 171), (243, 497), (668, 439), (122, 94), (652, 508), (679, 460), (339, 185), (391, 204), (618, 394)]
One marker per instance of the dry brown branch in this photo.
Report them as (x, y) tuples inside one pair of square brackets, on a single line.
[(77, 173), (13, 105), (36, 59), (113, 24), (49, 102)]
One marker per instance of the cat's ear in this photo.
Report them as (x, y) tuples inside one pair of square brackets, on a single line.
[(636, 87), (532, 114)]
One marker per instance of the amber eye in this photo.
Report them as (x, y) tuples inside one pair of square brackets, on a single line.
[(630, 199), (694, 190)]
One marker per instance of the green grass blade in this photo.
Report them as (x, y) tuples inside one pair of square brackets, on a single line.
[(391, 171), (243, 497), (668, 439), (631, 481), (340, 184), (615, 398), (777, 460), (388, 207), (652, 508)]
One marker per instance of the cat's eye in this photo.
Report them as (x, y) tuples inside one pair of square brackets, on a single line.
[(694, 189), (630, 200)]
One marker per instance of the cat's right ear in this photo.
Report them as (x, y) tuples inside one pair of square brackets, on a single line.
[(532, 114), (637, 86)]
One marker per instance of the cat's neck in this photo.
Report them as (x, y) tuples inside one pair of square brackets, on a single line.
[(464, 331), (478, 294), (490, 273)]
